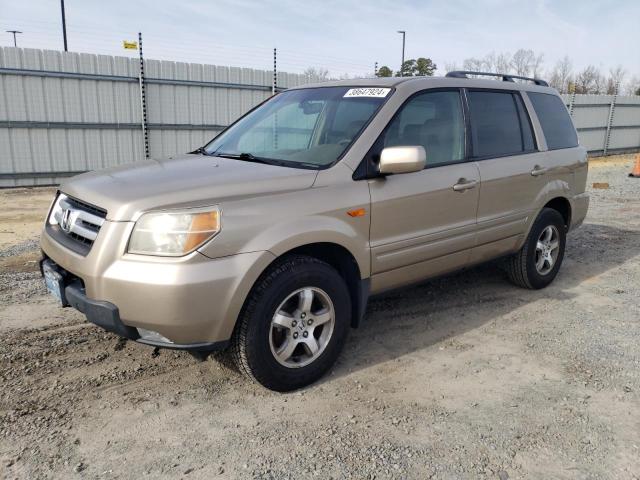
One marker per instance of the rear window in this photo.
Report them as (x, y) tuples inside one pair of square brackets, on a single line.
[(555, 121), (497, 124)]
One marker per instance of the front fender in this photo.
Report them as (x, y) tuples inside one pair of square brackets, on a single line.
[(320, 229), (281, 222)]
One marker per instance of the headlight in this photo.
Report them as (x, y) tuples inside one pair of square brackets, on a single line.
[(56, 209), (174, 233)]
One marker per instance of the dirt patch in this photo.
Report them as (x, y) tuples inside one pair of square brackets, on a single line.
[(22, 211), (462, 377)]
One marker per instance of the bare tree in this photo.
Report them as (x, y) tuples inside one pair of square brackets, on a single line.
[(489, 62), (473, 64), (503, 62), (523, 62), (616, 77), (317, 73), (451, 66), (537, 64), (589, 80), (633, 86), (492, 62), (561, 74)]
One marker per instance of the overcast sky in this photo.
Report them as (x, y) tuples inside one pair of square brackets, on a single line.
[(344, 36)]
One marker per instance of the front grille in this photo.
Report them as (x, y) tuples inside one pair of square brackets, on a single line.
[(99, 212), (75, 223)]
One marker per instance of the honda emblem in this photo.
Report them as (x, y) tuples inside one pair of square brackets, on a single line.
[(66, 222)]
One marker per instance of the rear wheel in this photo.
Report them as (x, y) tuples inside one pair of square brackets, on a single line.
[(538, 261), (293, 325)]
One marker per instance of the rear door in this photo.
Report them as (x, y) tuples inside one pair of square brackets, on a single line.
[(512, 169), (423, 223)]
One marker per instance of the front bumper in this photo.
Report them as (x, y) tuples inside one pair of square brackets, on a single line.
[(107, 316), (191, 301)]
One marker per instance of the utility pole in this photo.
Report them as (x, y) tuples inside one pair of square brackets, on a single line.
[(402, 64), (15, 43), (64, 25)]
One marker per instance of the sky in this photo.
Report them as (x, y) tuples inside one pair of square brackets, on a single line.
[(345, 37)]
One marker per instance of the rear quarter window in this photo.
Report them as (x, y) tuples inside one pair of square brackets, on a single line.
[(555, 120)]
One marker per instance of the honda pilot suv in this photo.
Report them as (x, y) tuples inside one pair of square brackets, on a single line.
[(269, 240)]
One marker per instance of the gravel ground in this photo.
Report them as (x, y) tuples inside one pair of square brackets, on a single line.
[(462, 377)]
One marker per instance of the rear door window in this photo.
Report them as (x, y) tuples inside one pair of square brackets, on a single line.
[(496, 125), (555, 121)]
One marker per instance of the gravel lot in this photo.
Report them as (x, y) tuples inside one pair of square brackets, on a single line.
[(462, 377)]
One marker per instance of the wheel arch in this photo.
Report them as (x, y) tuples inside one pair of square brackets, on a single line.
[(562, 206), (345, 263), (557, 202)]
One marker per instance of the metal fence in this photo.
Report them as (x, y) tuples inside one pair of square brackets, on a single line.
[(63, 113), (606, 124)]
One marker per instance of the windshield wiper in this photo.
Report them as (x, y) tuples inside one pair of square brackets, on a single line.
[(249, 157), (200, 150)]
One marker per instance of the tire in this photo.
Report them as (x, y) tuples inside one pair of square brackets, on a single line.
[(523, 268), (261, 343)]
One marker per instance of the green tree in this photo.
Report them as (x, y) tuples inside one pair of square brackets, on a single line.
[(408, 67), (384, 71), (638, 91), (425, 67)]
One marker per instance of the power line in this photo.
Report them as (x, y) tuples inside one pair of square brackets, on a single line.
[(107, 40), (255, 57)]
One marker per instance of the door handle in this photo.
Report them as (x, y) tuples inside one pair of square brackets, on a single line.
[(538, 170), (464, 184)]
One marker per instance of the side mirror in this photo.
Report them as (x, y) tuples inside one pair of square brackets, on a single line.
[(402, 159)]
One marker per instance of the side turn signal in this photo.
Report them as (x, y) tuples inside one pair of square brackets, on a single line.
[(358, 212)]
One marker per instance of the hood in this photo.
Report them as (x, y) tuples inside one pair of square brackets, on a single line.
[(182, 181)]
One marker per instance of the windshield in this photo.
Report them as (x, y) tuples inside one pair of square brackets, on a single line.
[(307, 128)]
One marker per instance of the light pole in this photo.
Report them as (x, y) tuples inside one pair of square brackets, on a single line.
[(15, 43), (64, 25), (402, 64)]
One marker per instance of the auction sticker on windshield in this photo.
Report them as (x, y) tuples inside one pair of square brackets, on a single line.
[(367, 92)]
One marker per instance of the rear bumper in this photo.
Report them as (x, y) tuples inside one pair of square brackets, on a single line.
[(579, 208)]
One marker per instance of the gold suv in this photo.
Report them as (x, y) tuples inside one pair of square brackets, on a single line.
[(270, 239)]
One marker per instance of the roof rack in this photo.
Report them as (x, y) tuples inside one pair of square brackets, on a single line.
[(506, 77)]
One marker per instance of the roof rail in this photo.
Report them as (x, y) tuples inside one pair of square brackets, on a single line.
[(506, 77)]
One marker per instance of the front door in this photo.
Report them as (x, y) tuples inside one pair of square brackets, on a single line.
[(423, 223)]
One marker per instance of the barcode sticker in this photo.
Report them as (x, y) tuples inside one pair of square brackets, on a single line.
[(367, 92)]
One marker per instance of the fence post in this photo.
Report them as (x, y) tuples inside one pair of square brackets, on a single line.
[(273, 92), (143, 100), (612, 109), (274, 84), (572, 102)]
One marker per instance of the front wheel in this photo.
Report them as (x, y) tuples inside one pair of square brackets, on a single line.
[(538, 261), (293, 325)]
